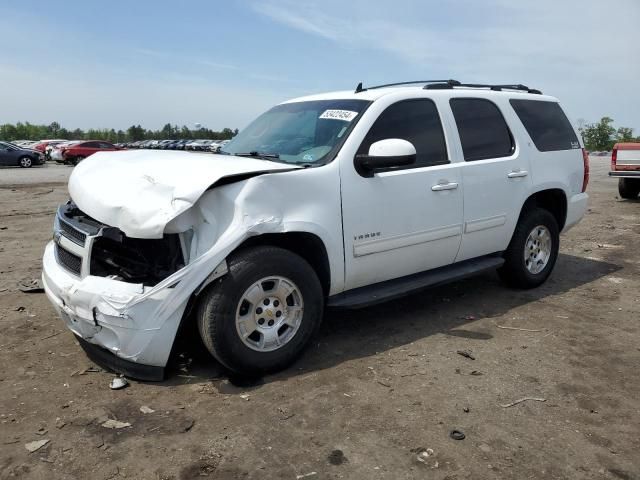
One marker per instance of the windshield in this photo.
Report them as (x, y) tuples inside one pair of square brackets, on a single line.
[(301, 132)]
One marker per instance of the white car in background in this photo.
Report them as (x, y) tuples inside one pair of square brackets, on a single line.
[(58, 149)]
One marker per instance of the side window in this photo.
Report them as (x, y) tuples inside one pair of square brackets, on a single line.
[(416, 121), (483, 130), (89, 145), (105, 145), (546, 124)]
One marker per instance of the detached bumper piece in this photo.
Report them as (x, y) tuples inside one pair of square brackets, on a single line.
[(108, 360)]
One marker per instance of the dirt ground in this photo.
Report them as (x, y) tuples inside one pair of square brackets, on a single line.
[(377, 394)]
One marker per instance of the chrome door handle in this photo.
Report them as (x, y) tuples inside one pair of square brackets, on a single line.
[(518, 174), (444, 186)]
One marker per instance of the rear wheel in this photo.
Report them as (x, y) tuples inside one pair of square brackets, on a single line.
[(533, 250), (629, 188), (26, 162), (259, 317)]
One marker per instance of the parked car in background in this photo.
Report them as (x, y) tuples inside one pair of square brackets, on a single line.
[(24, 143), (58, 150), (42, 144), (50, 146), (213, 145), (74, 154), (625, 166), (13, 155), (194, 144), (220, 146), (163, 144), (181, 145)]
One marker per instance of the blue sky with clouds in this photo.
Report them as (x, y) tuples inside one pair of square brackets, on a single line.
[(112, 64)]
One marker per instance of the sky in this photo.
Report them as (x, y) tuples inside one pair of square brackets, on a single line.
[(89, 64)]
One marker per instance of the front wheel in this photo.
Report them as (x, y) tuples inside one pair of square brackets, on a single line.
[(629, 188), (533, 250), (26, 162), (259, 317), (76, 160)]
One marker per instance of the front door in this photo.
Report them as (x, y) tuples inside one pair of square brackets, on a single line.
[(403, 220)]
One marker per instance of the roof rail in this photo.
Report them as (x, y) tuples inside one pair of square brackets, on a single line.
[(360, 88), (450, 84)]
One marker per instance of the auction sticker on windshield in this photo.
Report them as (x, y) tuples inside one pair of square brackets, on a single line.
[(346, 115)]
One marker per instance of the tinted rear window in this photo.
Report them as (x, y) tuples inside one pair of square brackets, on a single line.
[(546, 124), (483, 130)]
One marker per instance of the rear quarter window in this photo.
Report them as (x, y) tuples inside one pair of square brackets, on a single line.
[(546, 124)]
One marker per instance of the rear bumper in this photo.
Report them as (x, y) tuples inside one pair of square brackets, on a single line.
[(576, 208), (625, 174)]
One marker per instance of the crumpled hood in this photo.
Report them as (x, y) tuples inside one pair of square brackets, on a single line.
[(140, 191)]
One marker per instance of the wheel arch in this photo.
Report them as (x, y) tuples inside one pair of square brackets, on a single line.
[(554, 200), (307, 245)]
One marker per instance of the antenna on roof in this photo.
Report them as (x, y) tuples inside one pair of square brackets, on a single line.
[(359, 88)]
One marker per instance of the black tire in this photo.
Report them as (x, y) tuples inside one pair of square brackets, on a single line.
[(219, 304), (25, 162), (514, 272), (629, 188), (76, 160)]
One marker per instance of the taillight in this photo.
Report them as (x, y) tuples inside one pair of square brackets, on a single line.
[(614, 158), (585, 178)]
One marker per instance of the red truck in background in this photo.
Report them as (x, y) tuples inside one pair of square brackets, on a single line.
[(625, 165)]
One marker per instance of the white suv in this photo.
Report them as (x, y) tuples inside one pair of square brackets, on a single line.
[(342, 199)]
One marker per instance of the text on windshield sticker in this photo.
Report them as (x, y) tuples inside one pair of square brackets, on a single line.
[(345, 115)]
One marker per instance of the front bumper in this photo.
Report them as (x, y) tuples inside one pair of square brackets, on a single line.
[(133, 325), (106, 359)]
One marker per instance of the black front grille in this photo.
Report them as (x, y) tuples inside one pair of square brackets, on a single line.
[(68, 260), (71, 233)]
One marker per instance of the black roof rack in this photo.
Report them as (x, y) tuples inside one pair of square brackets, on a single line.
[(450, 84), (360, 88)]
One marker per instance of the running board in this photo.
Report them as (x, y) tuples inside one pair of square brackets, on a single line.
[(399, 287)]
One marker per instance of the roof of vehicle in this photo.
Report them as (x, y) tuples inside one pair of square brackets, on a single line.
[(441, 89), (627, 146)]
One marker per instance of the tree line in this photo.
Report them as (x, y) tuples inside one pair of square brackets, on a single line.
[(28, 131), (601, 136), (596, 136)]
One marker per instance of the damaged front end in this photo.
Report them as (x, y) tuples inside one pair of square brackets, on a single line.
[(108, 252), (125, 262), (96, 277)]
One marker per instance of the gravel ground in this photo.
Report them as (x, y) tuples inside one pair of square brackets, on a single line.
[(49, 173), (375, 397)]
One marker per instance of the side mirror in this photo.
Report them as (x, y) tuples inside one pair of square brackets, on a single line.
[(391, 152)]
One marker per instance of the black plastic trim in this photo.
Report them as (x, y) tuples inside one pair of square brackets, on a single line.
[(400, 287), (108, 360), (625, 173)]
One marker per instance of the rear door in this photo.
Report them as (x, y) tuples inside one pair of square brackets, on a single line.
[(495, 173)]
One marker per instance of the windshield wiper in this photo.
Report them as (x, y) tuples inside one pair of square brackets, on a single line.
[(258, 155)]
